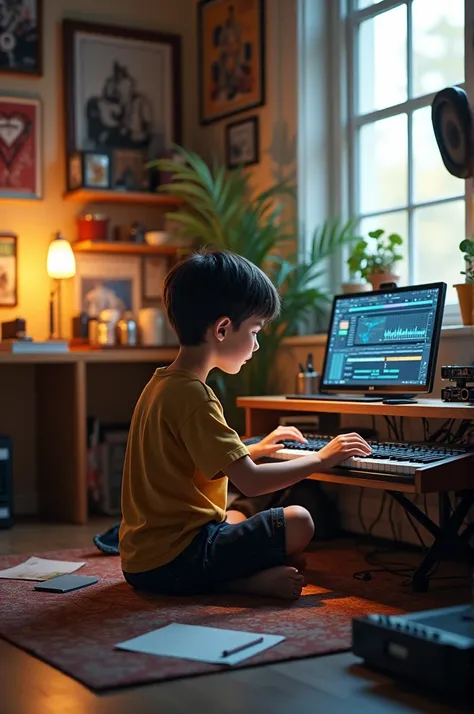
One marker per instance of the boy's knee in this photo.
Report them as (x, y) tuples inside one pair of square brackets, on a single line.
[(299, 526)]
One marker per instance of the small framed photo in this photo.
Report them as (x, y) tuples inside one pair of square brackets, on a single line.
[(107, 283), (20, 147), (8, 270), (242, 142), (88, 169), (96, 170), (21, 30), (128, 170)]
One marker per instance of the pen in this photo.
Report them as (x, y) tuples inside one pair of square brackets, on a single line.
[(228, 653), (309, 363)]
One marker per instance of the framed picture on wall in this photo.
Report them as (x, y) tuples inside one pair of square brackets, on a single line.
[(231, 46), (242, 143), (8, 270), (20, 147), (21, 37), (122, 89)]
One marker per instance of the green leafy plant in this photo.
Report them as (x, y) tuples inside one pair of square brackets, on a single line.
[(467, 247), (375, 256), (220, 209)]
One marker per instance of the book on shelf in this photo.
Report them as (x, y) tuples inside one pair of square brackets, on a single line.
[(31, 347)]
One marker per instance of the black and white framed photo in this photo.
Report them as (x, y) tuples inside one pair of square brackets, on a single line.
[(21, 37), (122, 88), (242, 142)]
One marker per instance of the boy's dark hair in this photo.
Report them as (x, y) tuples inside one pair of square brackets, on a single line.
[(211, 284)]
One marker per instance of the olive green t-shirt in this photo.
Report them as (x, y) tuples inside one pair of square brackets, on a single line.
[(178, 446)]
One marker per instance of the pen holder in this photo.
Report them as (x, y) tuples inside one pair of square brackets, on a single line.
[(307, 383)]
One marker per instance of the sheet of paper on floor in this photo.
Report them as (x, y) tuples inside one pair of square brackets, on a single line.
[(40, 569), (204, 644)]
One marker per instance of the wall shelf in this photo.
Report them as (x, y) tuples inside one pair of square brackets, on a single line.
[(87, 246), (97, 195)]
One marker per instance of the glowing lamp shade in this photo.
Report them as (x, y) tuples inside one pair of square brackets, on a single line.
[(60, 262)]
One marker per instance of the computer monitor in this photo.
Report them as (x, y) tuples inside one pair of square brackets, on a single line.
[(384, 342)]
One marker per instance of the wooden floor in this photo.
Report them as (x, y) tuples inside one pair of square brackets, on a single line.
[(329, 685)]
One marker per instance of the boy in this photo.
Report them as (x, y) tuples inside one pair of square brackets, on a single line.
[(174, 536)]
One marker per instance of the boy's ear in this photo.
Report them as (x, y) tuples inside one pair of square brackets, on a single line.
[(221, 327)]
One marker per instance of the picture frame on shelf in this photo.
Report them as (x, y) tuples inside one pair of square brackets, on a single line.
[(107, 282), (89, 169), (128, 170), (231, 53), (122, 88), (21, 33), (8, 269), (242, 143), (20, 147)]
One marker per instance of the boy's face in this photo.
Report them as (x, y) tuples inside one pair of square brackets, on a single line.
[(233, 348)]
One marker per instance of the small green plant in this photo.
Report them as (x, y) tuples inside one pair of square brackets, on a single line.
[(377, 256), (467, 247)]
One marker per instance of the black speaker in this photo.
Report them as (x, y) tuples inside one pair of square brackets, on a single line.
[(6, 482), (452, 120)]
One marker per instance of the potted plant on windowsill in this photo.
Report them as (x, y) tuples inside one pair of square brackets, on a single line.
[(466, 290), (375, 260)]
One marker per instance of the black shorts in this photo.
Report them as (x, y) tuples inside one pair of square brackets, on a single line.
[(220, 553)]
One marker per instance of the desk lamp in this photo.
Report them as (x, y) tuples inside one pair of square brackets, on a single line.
[(60, 264)]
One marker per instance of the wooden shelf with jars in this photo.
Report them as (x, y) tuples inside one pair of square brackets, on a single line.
[(123, 248), (97, 195)]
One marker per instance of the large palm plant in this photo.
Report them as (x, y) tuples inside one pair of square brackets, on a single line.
[(220, 209)]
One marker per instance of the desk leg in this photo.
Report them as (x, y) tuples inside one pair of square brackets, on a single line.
[(61, 441)]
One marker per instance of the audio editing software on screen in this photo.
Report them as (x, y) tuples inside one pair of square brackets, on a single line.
[(382, 339)]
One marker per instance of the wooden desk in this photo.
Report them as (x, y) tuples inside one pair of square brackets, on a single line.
[(45, 400), (262, 415), (456, 474)]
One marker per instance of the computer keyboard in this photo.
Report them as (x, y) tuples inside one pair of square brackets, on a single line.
[(395, 460)]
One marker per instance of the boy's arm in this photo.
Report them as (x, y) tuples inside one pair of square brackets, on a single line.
[(256, 479)]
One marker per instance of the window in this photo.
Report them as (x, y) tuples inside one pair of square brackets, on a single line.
[(400, 53)]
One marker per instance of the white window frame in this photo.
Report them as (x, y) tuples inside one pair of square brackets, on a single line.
[(350, 18)]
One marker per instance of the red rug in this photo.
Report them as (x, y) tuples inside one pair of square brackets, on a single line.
[(76, 632)]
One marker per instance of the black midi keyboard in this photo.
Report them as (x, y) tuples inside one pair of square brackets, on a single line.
[(389, 460)]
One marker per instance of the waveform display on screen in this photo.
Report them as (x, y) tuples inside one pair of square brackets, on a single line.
[(391, 328)]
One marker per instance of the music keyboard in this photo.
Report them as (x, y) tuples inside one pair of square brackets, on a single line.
[(393, 460)]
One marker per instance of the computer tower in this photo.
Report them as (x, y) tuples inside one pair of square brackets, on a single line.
[(6, 482)]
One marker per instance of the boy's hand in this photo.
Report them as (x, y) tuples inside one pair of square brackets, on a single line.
[(341, 448), (271, 444)]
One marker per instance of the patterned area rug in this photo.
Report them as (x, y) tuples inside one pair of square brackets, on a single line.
[(76, 632)]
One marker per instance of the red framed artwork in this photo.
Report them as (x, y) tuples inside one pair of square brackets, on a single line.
[(20, 147)]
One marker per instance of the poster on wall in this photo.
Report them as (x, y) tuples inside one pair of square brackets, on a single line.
[(20, 147), (231, 37), (122, 93), (21, 37)]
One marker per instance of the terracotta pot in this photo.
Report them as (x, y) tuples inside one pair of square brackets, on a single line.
[(466, 301), (348, 288), (376, 279)]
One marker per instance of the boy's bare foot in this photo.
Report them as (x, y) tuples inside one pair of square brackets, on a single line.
[(282, 581), (298, 561)]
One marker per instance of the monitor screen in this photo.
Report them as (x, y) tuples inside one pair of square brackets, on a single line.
[(384, 341)]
